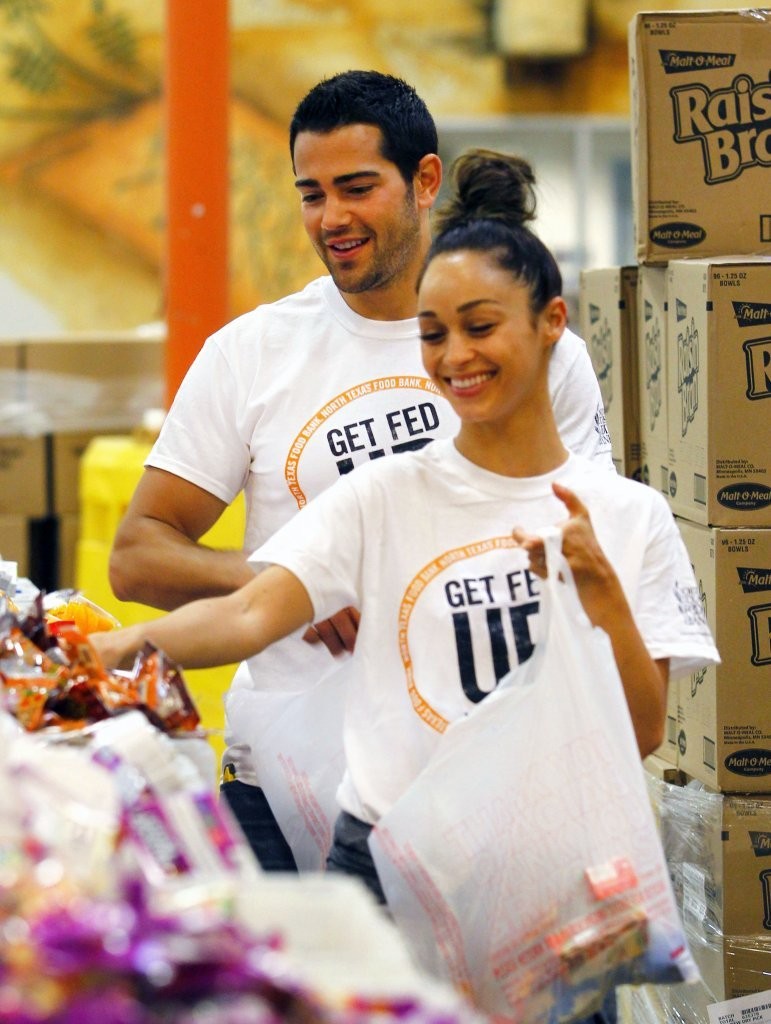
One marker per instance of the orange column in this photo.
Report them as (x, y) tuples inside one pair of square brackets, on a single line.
[(196, 139)]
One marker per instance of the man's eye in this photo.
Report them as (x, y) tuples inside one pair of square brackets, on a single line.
[(360, 190), (431, 337), (309, 197)]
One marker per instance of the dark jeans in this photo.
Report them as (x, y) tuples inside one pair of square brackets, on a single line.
[(260, 828), (350, 855)]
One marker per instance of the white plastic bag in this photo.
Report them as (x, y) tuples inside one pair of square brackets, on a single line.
[(524, 864), (296, 743)]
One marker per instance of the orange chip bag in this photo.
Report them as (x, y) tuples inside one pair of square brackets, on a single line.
[(74, 607), (162, 691)]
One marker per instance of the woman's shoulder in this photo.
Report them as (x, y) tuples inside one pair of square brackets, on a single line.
[(601, 484)]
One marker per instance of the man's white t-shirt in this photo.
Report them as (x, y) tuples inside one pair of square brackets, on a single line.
[(422, 545), (286, 399)]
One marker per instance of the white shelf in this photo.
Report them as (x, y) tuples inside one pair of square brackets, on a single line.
[(582, 165)]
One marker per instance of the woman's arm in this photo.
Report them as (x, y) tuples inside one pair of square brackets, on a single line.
[(644, 679), (218, 630)]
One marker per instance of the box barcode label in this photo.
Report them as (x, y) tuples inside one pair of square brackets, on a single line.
[(699, 489), (694, 894), (708, 754), (765, 227), (671, 729)]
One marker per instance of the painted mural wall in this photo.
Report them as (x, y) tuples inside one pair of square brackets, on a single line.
[(82, 150)]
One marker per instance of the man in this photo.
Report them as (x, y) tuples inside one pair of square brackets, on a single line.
[(285, 399)]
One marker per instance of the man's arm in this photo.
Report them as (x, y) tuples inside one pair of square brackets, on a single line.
[(156, 558)]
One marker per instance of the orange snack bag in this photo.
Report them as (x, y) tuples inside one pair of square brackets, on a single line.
[(87, 616)]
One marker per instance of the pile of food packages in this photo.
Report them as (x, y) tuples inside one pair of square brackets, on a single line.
[(53, 678), (127, 892)]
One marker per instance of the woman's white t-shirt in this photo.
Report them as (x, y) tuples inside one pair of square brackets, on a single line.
[(422, 545), (286, 399)]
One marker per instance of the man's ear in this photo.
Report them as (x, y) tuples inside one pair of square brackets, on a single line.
[(428, 179)]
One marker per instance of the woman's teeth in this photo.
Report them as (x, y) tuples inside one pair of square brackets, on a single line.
[(460, 384)]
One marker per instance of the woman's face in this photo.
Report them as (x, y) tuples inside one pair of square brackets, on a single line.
[(481, 344)]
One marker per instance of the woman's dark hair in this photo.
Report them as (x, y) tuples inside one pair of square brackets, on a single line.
[(370, 97), (493, 199)]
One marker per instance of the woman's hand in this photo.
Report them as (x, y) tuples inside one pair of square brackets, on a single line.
[(117, 648), (604, 601), (596, 581)]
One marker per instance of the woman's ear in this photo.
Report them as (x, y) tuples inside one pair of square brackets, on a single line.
[(555, 319), (428, 179)]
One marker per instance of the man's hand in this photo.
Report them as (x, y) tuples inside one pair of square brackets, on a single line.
[(338, 633)]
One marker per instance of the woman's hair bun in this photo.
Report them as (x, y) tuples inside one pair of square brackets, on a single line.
[(488, 185)]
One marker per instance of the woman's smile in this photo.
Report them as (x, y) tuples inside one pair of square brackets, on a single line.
[(468, 383)]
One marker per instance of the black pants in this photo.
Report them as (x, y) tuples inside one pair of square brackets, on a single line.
[(260, 828), (350, 853)]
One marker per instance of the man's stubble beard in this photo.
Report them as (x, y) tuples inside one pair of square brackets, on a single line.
[(400, 254)]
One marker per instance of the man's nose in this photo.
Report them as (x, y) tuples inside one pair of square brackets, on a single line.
[(335, 214)]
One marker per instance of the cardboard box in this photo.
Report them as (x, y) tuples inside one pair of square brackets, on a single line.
[(99, 382), (69, 529), (652, 362), (719, 387), (33, 543), (608, 317), (14, 541), (661, 768), (717, 848), (40, 475), (724, 731), (668, 750), (701, 139), (24, 482), (67, 451)]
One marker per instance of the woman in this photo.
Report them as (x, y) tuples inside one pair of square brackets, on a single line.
[(437, 547)]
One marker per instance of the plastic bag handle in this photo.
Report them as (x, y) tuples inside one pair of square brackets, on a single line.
[(558, 575)]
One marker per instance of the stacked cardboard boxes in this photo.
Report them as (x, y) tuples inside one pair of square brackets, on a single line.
[(701, 331), (608, 314), (717, 847), (56, 394)]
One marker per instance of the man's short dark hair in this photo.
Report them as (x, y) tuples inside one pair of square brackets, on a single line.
[(370, 97)]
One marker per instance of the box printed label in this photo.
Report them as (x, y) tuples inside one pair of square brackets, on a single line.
[(753, 580), (678, 61), (761, 843), (750, 314), (752, 762), (733, 125), (760, 624), (744, 496), (653, 368), (601, 352), (758, 356), (687, 366)]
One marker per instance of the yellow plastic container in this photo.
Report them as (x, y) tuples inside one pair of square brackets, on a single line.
[(110, 469)]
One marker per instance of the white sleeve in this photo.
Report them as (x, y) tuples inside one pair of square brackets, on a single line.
[(203, 439), (577, 401), (670, 614), (322, 545)]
